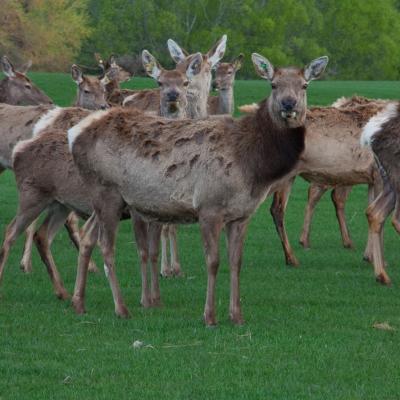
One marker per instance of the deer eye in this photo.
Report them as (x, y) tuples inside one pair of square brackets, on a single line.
[(305, 86), (87, 91), (159, 83), (186, 83), (28, 86), (273, 86)]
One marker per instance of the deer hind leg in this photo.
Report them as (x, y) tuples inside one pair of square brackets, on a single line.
[(26, 260), (377, 212), (173, 243), (154, 249), (43, 240), (235, 232), (339, 197), (109, 212), (89, 238), (211, 226), (29, 209), (72, 227), (315, 192), (166, 269), (141, 228), (277, 210)]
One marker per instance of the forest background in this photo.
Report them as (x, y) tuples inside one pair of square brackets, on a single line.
[(361, 37)]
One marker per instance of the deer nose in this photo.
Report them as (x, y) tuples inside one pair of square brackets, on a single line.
[(104, 106), (288, 103), (173, 96)]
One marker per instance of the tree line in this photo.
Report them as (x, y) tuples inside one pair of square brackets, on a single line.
[(361, 37)]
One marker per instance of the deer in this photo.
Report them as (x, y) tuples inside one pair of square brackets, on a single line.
[(22, 122), (199, 86), (339, 194), (48, 179), (381, 136), (195, 107), (17, 89), (223, 82), (213, 171), (344, 165)]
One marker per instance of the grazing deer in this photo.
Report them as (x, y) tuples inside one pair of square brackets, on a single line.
[(215, 171), (381, 134), (223, 82), (199, 86), (48, 179), (17, 89)]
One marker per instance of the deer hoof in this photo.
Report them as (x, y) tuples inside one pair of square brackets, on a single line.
[(210, 320), (62, 294), (78, 305), (383, 279), (122, 312)]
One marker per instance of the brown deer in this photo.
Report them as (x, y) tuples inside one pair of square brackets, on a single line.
[(223, 82), (215, 171), (21, 122), (17, 89), (47, 177), (199, 86), (381, 134)]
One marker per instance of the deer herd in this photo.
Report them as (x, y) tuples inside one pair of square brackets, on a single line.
[(175, 155)]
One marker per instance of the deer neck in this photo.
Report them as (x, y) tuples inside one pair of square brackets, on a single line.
[(270, 151), (4, 96), (197, 96), (225, 101)]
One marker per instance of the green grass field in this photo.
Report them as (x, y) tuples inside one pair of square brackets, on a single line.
[(308, 334)]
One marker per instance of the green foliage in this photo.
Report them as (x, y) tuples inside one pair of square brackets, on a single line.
[(360, 36)]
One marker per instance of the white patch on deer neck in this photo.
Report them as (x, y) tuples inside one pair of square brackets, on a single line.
[(76, 130), (340, 102), (375, 123), (20, 148), (46, 120)]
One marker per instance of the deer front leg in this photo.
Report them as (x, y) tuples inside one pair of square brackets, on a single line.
[(173, 243), (26, 260), (72, 227), (236, 232), (315, 192), (277, 210), (339, 197), (377, 212), (211, 226), (43, 239)]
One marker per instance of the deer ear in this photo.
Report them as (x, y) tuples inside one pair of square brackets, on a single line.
[(8, 68), (26, 67), (77, 74), (151, 65), (176, 52), (238, 62), (315, 69), (217, 51), (263, 67), (194, 66), (112, 61)]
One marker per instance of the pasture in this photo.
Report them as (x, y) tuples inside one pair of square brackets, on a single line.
[(309, 332)]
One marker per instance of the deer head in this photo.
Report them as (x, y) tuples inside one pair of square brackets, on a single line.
[(225, 73), (91, 91), (199, 86), (17, 88), (287, 104), (173, 84)]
